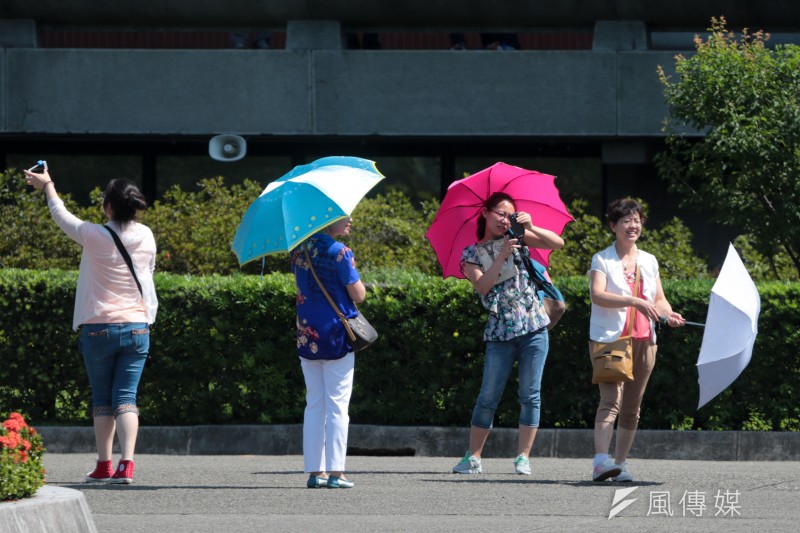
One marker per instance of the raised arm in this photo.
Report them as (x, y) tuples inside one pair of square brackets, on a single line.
[(65, 220)]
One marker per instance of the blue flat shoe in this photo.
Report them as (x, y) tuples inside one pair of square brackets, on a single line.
[(339, 483), (316, 482)]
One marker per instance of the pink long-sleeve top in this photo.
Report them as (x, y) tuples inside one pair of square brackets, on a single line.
[(107, 292)]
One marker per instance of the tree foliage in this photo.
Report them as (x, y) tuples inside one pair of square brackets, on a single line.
[(745, 171), (389, 231), (194, 231)]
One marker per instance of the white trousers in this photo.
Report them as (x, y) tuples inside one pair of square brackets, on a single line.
[(329, 385)]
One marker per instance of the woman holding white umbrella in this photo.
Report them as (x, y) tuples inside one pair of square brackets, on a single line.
[(612, 279)]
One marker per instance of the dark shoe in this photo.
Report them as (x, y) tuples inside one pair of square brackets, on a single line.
[(316, 482), (339, 483), (102, 473), (124, 473)]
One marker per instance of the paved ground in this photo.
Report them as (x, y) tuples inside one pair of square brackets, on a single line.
[(183, 494)]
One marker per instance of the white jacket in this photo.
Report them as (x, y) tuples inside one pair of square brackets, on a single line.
[(605, 324)]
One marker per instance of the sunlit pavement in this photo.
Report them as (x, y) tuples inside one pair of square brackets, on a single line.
[(180, 493)]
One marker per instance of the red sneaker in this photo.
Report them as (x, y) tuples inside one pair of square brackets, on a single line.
[(124, 473), (102, 473)]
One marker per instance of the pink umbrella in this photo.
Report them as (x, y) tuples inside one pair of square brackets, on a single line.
[(455, 225)]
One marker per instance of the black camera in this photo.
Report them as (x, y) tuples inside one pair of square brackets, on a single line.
[(515, 229)]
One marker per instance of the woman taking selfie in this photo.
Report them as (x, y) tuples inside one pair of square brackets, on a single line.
[(113, 309)]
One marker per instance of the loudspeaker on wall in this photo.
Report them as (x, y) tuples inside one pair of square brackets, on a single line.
[(227, 147)]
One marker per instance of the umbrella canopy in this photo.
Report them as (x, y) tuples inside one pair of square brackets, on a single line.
[(301, 203), (455, 225), (731, 328)]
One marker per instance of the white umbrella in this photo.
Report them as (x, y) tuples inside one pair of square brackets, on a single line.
[(731, 328)]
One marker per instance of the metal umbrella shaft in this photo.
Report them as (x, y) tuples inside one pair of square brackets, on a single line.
[(663, 320)]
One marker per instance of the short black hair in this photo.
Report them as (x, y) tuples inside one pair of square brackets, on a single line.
[(623, 207)]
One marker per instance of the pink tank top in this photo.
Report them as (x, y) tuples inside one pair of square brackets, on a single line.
[(641, 324)]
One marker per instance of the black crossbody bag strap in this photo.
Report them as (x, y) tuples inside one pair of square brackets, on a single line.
[(125, 256)]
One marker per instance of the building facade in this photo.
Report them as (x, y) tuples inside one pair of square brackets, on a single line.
[(139, 88)]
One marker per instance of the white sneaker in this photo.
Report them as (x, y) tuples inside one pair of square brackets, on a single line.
[(522, 465), (624, 476), (468, 465), (605, 470)]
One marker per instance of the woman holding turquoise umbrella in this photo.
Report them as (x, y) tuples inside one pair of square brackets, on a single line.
[(303, 213), (326, 356)]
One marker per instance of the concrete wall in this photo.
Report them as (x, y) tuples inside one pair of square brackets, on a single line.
[(429, 441), (600, 94)]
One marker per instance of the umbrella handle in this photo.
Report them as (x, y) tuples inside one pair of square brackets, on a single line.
[(663, 321)]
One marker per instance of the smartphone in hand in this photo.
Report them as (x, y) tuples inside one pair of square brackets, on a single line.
[(515, 229), (40, 167)]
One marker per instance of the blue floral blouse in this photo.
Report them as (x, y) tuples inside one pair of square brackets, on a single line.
[(514, 309), (320, 333)]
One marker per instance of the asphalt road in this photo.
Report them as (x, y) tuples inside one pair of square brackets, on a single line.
[(196, 494)]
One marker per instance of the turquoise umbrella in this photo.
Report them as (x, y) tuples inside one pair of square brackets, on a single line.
[(301, 203)]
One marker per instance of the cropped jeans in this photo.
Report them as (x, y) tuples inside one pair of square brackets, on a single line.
[(530, 352), (114, 356)]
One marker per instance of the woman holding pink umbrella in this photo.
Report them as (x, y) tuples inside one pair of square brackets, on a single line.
[(516, 328)]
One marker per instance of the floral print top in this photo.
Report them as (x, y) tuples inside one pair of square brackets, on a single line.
[(514, 309), (320, 333)]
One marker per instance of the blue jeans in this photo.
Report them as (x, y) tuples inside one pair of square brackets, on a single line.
[(114, 355), (530, 351)]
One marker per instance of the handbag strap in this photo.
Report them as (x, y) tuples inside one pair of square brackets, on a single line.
[(341, 316), (632, 309), (125, 256)]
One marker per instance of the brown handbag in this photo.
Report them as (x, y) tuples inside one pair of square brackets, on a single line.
[(612, 362)]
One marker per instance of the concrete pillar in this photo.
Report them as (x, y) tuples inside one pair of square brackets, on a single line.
[(620, 35), (18, 33), (314, 35)]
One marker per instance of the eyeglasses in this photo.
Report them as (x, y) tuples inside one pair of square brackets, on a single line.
[(501, 214)]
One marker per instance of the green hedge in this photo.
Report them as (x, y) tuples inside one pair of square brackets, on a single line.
[(223, 351)]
